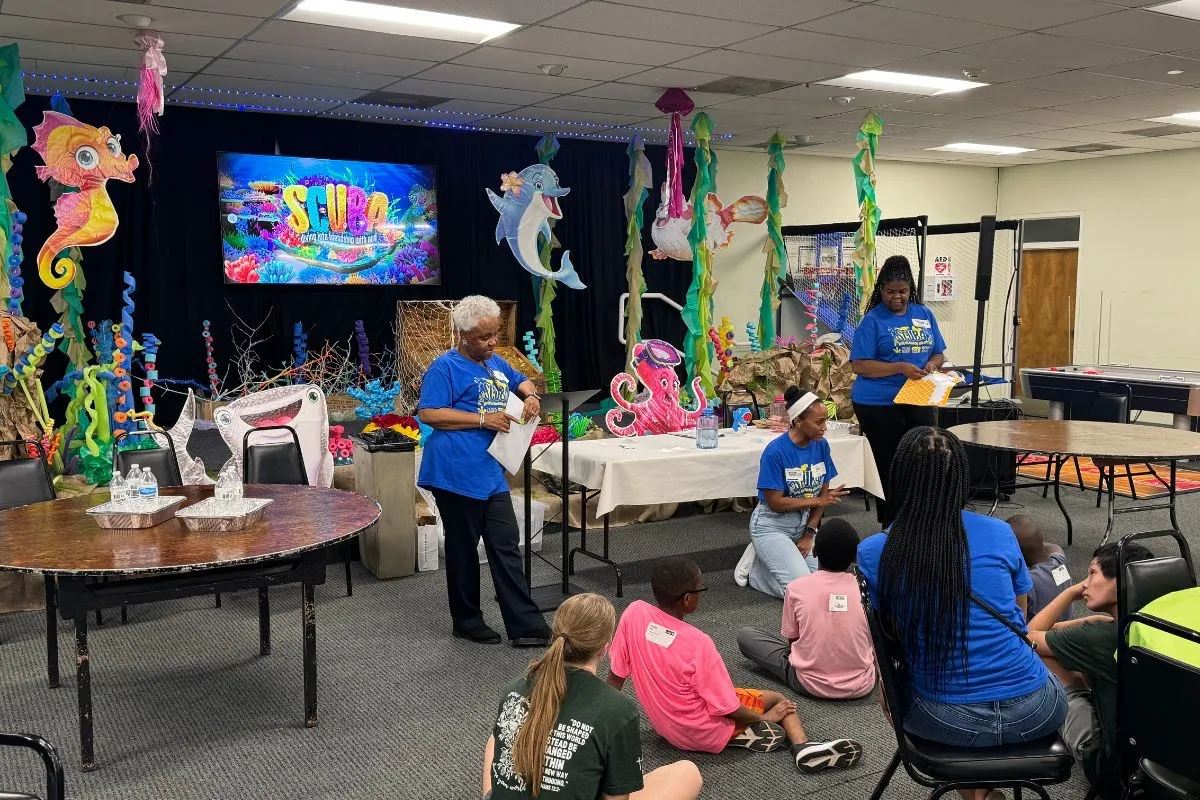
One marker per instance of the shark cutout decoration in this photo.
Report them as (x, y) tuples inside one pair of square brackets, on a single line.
[(191, 468), (300, 407), (530, 200)]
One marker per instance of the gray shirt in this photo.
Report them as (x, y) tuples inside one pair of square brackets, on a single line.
[(1050, 578)]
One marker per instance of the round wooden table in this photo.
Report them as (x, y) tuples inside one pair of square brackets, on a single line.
[(288, 545), (1062, 440)]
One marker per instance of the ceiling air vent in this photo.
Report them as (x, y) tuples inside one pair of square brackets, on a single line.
[(400, 100), (1162, 130), (1088, 148), (743, 86), (789, 144)]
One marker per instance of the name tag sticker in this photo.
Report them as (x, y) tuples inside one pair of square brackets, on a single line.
[(818, 471), (657, 634), (793, 474), (920, 323), (837, 602), (502, 378), (1061, 575)]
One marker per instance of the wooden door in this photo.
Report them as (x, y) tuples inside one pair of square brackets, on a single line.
[(1046, 335)]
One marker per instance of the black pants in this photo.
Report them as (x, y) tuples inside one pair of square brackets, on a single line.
[(884, 427), (466, 520)]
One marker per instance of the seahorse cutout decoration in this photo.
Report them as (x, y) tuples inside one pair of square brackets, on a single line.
[(82, 157)]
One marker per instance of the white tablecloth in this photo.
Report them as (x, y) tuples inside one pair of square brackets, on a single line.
[(645, 470)]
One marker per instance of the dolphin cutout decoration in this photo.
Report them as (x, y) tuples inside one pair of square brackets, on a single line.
[(530, 200)]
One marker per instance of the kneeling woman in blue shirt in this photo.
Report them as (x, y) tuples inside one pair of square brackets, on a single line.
[(975, 682), (793, 491), (897, 340)]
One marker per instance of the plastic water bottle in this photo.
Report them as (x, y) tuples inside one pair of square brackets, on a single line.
[(224, 488), (133, 482), (116, 486), (706, 430), (148, 490), (779, 414), (235, 482)]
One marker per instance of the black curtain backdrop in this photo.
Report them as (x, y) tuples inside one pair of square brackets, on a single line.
[(169, 239)]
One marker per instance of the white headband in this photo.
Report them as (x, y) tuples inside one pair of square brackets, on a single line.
[(800, 406)]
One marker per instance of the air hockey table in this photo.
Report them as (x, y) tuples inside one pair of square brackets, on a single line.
[(1175, 392)]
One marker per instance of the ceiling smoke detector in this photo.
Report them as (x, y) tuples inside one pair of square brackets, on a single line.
[(843, 99), (973, 73), (136, 20), (553, 70), (803, 139)]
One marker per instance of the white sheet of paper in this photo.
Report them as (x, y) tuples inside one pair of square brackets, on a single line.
[(510, 448)]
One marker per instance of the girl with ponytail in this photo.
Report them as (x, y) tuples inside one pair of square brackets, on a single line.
[(940, 577), (562, 729)]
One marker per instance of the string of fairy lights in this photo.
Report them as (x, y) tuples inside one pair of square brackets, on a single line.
[(42, 83)]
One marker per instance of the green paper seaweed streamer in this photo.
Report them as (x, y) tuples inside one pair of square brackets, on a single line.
[(863, 257), (698, 310), (774, 247), (544, 290), (12, 138), (640, 179)]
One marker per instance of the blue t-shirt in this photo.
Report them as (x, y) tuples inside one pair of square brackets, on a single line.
[(796, 471), (1000, 666), (458, 461), (913, 336)]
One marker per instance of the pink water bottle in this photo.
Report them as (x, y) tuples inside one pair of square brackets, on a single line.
[(779, 414)]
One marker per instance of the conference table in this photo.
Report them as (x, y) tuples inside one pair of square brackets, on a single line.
[(669, 468), (288, 545), (1062, 440)]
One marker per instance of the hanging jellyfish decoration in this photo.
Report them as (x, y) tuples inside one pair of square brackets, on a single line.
[(151, 100), (673, 219)]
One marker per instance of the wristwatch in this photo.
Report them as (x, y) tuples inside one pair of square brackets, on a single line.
[(810, 529)]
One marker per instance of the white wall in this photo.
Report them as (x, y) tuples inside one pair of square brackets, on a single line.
[(1138, 217), (821, 190)]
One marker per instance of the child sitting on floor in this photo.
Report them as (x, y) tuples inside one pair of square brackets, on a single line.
[(686, 691), (825, 648), (1047, 565)]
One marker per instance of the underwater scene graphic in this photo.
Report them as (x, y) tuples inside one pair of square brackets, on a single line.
[(316, 221)]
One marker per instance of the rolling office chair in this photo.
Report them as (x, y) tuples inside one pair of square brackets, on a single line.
[(945, 769), (282, 462), (55, 783), (25, 480)]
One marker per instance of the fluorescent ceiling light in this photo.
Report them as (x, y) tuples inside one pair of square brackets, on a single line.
[(903, 82), (982, 149), (393, 19), (1188, 9), (1183, 118)]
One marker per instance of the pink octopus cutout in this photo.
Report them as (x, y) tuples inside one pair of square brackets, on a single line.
[(657, 409)]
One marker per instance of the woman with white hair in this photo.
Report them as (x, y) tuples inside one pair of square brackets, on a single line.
[(793, 491), (464, 394)]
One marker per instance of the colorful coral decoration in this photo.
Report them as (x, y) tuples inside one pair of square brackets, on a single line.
[(83, 157), (214, 382), (776, 252), (640, 179), (374, 398), (531, 350), (341, 447), (658, 410), (723, 340), (12, 138), (698, 308), (530, 200), (863, 257), (407, 426), (752, 336)]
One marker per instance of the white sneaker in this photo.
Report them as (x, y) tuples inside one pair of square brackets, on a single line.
[(741, 573)]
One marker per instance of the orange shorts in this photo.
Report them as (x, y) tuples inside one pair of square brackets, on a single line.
[(751, 699)]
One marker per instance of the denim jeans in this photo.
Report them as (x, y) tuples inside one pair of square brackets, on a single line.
[(1021, 719), (777, 562)]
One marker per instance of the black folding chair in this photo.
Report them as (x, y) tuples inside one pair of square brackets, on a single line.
[(55, 783), (945, 769), (161, 460)]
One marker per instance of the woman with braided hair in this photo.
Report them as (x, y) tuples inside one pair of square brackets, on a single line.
[(898, 339), (941, 577), (562, 731)]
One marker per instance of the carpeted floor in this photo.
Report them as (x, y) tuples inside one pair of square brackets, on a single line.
[(185, 709)]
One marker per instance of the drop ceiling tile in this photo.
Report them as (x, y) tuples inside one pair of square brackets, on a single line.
[(668, 26), (253, 8), (1089, 134), (951, 64), (957, 106), (1055, 51), (525, 61), (1115, 128), (906, 27), (1155, 68), (795, 43), (1167, 143), (601, 119), (1028, 15), (1126, 108), (1052, 118), (820, 95), (502, 79), (896, 119), (104, 12), (327, 59), (1032, 141), (48, 30), (764, 105), (77, 55), (646, 94), (103, 72), (523, 12), (325, 37), (601, 105), (309, 76), (992, 126), (476, 108), (1144, 30), (595, 46), (243, 90), (728, 62), (668, 77), (537, 128), (462, 91), (1091, 84), (1011, 94), (766, 12)]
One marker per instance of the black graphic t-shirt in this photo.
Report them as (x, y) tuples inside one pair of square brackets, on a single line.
[(595, 746)]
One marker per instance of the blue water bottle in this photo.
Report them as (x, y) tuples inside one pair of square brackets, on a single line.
[(706, 430)]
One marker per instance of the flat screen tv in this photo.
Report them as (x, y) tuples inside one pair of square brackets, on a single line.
[(315, 221)]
